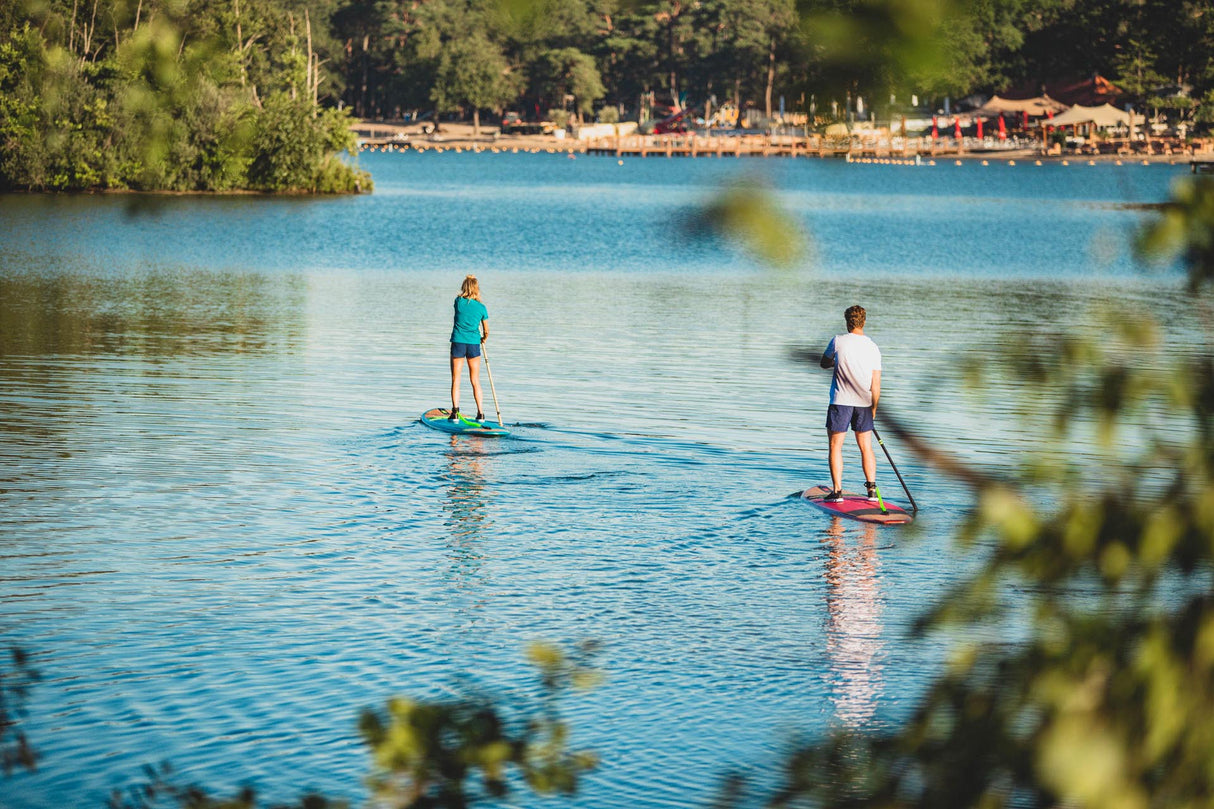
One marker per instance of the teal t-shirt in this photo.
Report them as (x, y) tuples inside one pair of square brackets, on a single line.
[(469, 312)]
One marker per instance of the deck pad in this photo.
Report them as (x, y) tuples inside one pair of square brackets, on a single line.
[(436, 418), (857, 507)]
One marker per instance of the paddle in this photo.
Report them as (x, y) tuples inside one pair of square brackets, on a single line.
[(914, 506), (492, 389)]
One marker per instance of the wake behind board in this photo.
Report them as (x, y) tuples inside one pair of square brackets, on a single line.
[(437, 419), (857, 507)]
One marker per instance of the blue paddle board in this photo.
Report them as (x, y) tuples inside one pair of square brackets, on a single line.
[(436, 418)]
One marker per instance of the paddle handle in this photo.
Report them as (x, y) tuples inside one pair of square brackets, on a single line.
[(492, 389), (914, 506)]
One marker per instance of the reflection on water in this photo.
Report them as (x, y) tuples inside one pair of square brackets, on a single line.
[(854, 604), (466, 505), (153, 314)]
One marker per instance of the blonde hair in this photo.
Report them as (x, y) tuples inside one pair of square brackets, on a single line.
[(471, 288)]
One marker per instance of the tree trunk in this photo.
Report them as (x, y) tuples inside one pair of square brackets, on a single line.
[(240, 48), (362, 112), (309, 87), (476, 122), (673, 77), (771, 75)]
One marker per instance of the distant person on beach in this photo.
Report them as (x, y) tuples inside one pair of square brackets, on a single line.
[(470, 330), (854, 392)]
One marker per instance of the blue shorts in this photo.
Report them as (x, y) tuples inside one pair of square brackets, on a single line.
[(461, 351), (839, 417)]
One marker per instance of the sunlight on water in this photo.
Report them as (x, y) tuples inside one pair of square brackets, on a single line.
[(223, 531)]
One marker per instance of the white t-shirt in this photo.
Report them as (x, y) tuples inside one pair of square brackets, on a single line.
[(856, 356)]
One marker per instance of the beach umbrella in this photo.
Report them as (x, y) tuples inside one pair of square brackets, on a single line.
[(979, 129), (935, 129), (1002, 128), (957, 128)]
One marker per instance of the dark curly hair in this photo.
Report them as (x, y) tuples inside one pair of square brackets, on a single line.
[(854, 317)]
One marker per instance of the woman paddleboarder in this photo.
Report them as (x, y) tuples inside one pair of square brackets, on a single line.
[(470, 330)]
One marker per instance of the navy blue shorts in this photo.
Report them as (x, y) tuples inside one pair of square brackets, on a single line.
[(839, 417), (461, 351)]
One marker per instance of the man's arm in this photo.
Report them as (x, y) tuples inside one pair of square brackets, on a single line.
[(828, 356), (876, 390)]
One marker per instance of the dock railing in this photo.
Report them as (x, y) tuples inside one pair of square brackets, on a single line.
[(692, 144)]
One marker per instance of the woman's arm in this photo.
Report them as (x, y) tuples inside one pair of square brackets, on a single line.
[(485, 330)]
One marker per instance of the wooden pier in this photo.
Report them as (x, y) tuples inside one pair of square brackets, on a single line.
[(693, 145)]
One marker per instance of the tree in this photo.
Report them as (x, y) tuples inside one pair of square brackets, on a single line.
[(568, 71), (159, 95), (472, 72), (1135, 69)]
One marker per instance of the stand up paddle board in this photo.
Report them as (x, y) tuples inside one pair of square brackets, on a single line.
[(437, 419), (857, 507)]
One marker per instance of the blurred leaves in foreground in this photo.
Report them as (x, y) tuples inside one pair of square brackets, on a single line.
[(748, 214), (449, 753), (15, 681), (426, 753)]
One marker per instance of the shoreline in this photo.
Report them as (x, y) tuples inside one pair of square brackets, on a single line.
[(459, 138)]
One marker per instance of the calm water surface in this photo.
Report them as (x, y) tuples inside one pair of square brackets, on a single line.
[(222, 531)]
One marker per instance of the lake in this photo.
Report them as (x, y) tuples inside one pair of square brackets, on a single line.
[(223, 531)]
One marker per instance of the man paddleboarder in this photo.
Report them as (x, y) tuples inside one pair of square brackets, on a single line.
[(854, 392)]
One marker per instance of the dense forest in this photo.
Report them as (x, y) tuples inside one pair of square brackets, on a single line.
[(168, 95), (257, 94), (582, 55)]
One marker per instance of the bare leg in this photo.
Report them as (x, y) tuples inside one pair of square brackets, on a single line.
[(457, 364), (474, 373), (836, 460), (867, 459)]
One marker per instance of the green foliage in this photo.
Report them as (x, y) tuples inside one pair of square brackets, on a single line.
[(746, 213), (292, 150), (879, 46), (1185, 230), (426, 753), (473, 72), (22, 65), (162, 95), (1135, 68), (569, 71)]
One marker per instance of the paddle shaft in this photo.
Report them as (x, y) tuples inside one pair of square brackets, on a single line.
[(894, 466), (492, 389)]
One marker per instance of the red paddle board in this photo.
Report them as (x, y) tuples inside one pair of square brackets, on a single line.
[(857, 507)]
